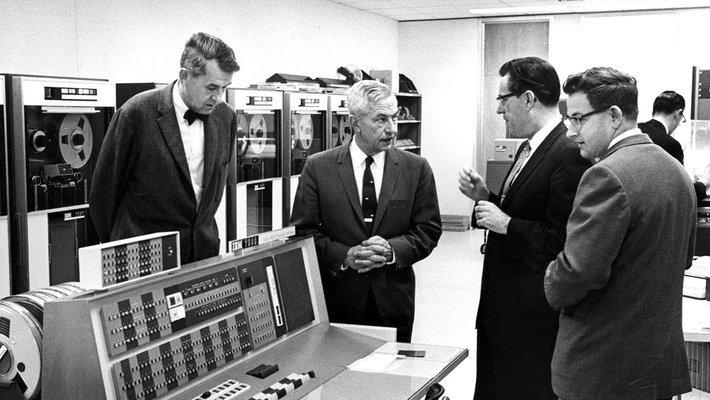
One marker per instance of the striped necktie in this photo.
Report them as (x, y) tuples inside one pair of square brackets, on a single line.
[(524, 154)]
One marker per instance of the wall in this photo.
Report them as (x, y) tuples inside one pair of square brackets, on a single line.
[(141, 40), (442, 57)]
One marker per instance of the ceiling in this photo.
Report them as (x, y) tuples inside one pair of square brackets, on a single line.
[(412, 10)]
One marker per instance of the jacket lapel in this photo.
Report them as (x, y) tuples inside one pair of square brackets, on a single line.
[(347, 178), (389, 177), (535, 159), (171, 131)]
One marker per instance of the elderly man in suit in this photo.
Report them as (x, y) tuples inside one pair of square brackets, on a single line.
[(374, 211), (516, 328), (164, 161), (619, 280)]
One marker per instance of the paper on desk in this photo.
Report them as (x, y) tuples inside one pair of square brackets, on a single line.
[(374, 362)]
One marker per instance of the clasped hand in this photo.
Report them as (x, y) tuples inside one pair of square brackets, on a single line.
[(372, 253), (489, 216)]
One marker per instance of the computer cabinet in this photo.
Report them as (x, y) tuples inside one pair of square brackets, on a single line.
[(409, 126)]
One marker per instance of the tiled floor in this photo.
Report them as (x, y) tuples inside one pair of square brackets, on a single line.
[(448, 286)]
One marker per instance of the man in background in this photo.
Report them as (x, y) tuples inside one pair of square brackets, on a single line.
[(374, 211), (667, 115), (631, 234), (164, 162), (516, 328)]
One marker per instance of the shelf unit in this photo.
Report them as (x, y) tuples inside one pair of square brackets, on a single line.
[(409, 126)]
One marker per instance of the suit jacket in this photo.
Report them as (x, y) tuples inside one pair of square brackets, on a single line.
[(327, 205), (513, 310), (619, 279), (657, 132), (142, 182)]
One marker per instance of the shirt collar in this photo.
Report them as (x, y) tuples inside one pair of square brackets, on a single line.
[(630, 132), (358, 156), (540, 135), (179, 103)]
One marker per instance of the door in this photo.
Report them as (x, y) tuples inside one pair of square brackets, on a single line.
[(503, 41)]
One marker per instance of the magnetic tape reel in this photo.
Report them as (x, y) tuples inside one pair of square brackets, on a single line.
[(304, 131), (242, 135), (257, 134), (75, 140), (345, 131), (20, 349), (21, 319), (335, 137)]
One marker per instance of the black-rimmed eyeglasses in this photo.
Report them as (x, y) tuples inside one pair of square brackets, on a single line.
[(577, 120), (502, 97)]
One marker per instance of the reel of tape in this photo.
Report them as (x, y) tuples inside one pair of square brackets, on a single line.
[(304, 131), (20, 349), (344, 129), (75, 140), (335, 133), (21, 320), (242, 135), (39, 140), (257, 134)]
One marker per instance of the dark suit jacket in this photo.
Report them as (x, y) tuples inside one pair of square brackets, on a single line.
[(657, 132), (328, 206), (142, 182), (513, 310), (619, 280)]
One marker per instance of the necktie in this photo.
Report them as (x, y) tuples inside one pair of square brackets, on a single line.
[(524, 154), (190, 116), (369, 197)]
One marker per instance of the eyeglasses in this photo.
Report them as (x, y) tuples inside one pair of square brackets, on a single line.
[(683, 118), (505, 96), (576, 121)]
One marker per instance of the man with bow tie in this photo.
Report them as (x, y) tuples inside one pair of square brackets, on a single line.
[(164, 162)]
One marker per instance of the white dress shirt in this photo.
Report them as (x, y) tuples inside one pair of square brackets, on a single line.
[(193, 142), (538, 137), (377, 168)]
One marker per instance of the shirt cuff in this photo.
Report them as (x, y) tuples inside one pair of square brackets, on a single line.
[(394, 259)]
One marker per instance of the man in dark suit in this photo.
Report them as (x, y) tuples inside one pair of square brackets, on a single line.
[(374, 211), (526, 219), (164, 161), (667, 115), (630, 236)]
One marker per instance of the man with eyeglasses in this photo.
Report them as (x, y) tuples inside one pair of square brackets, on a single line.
[(667, 115), (516, 328), (631, 234)]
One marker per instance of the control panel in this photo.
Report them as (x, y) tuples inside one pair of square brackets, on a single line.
[(163, 336)]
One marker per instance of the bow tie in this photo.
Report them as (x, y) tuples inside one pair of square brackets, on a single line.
[(190, 116)]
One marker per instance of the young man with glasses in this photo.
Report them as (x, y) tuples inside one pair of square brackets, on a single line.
[(667, 116), (516, 328), (630, 236)]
